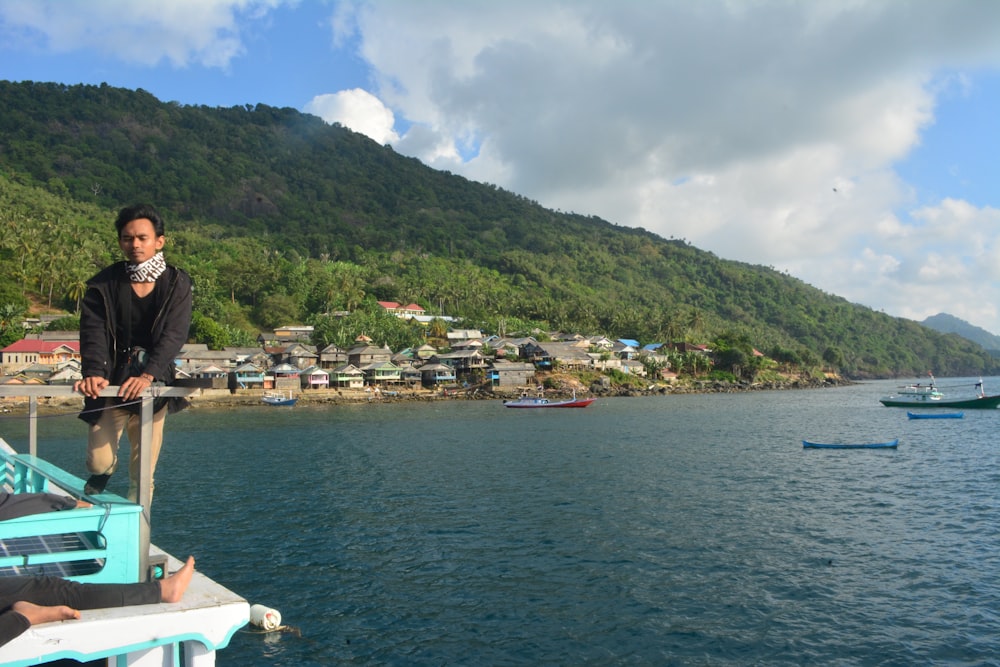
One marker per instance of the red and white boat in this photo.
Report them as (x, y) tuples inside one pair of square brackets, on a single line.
[(542, 402)]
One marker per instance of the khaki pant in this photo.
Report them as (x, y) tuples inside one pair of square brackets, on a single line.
[(102, 445)]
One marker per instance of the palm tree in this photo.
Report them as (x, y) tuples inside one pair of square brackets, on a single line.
[(76, 290), (53, 267), (695, 319), (437, 328)]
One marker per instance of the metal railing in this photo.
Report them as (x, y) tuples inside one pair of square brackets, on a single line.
[(144, 488)]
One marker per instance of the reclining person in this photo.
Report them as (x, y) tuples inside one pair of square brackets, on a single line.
[(15, 505), (29, 600)]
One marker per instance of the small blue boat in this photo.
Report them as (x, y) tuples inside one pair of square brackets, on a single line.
[(935, 415), (278, 398), (891, 444)]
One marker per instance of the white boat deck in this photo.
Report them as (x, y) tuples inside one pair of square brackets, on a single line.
[(147, 635)]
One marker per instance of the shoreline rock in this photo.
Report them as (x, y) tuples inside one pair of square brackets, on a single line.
[(222, 398)]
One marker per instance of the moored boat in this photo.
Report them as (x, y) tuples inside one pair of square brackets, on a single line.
[(929, 396), (935, 415), (977, 403), (279, 398), (890, 444), (542, 402)]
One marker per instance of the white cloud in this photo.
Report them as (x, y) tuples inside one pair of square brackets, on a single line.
[(359, 110), (181, 32), (762, 131)]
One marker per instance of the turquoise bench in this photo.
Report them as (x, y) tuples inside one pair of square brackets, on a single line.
[(97, 544)]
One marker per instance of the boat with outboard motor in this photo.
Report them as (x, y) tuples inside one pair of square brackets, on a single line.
[(929, 396), (542, 402)]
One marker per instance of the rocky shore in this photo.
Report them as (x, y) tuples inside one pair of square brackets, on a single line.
[(222, 398), (564, 387)]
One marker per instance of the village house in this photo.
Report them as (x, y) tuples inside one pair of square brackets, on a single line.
[(217, 375), (37, 371), (347, 376), (381, 372), (506, 374), (299, 355), (249, 376), (314, 377), (284, 376), (427, 319), (433, 374), (28, 351), (509, 348), (409, 374), (332, 356), (625, 349), (67, 374), (571, 355), (293, 333), (405, 361), (364, 355), (458, 336), (21, 379), (469, 344), (633, 367), (399, 310), (195, 355), (602, 342), (463, 362)]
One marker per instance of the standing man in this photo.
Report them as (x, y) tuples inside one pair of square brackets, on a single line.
[(135, 317)]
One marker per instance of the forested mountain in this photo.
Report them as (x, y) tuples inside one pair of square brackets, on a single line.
[(946, 323), (282, 218)]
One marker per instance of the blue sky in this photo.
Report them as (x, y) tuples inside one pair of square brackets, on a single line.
[(957, 155), (852, 145)]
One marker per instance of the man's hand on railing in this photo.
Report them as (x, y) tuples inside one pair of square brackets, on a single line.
[(91, 386), (133, 387)]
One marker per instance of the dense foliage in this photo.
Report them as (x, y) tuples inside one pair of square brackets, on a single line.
[(284, 219)]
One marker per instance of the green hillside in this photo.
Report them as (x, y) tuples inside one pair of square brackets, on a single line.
[(946, 323), (281, 218)]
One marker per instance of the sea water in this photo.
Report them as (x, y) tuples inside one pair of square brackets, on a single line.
[(672, 530)]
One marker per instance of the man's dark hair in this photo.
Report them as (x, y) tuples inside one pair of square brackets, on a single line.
[(136, 212)]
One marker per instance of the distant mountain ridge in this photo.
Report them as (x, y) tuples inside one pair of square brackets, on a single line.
[(945, 323)]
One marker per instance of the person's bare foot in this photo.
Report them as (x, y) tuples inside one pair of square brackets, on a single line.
[(36, 613), (83, 504), (172, 588)]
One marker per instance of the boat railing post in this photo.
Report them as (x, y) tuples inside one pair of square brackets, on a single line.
[(145, 481), (144, 491), (33, 425)]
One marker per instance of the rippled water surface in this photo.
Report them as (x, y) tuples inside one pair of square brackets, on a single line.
[(684, 530)]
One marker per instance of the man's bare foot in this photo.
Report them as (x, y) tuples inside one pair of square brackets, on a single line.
[(172, 588), (38, 614)]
